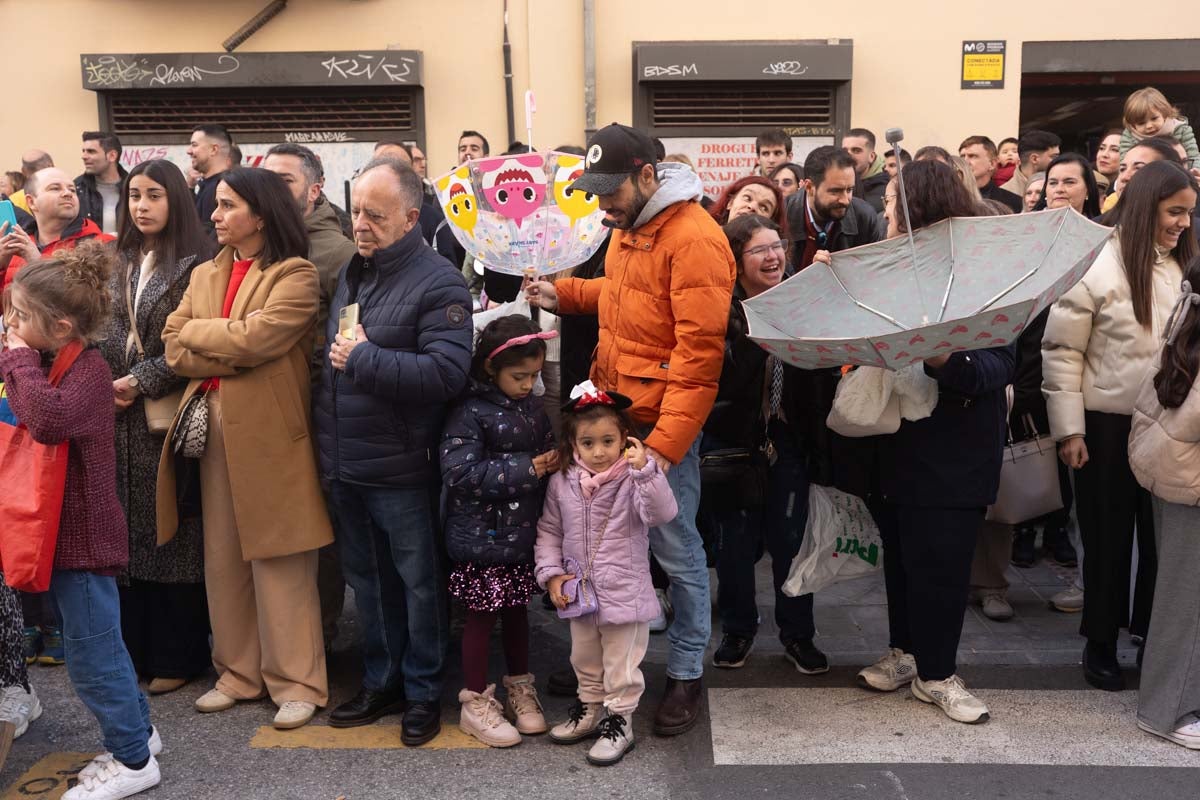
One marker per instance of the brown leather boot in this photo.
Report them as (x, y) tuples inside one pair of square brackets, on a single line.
[(680, 707)]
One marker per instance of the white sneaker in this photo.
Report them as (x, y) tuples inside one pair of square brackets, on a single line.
[(294, 714), (662, 621), (114, 780), (1186, 735), (951, 696), (19, 707), (890, 672), (155, 745), (996, 607), (616, 739), (1068, 601)]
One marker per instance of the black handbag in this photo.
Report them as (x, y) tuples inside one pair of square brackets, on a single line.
[(738, 472)]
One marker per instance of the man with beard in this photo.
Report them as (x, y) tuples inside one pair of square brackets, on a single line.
[(663, 305), (59, 225), (99, 187), (825, 214), (872, 179), (209, 151)]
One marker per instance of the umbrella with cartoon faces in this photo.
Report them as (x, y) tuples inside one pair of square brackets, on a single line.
[(517, 212)]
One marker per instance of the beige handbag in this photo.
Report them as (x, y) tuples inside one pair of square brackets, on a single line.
[(1029, 485), (160, 413)]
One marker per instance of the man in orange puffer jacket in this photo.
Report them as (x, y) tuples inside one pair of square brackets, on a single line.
[(663, 305)]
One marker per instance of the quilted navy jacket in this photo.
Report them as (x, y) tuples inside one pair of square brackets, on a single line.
[(494, 497), (379, 422)]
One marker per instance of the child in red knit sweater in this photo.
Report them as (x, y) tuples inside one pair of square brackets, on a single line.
[(54, 311)]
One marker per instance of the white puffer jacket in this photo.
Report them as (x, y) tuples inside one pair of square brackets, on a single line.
[(1095, 355), (1164, 446)]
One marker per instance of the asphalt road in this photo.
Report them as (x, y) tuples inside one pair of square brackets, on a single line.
[(767, 730)]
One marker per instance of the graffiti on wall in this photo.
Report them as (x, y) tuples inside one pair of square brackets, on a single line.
[(340, 159)]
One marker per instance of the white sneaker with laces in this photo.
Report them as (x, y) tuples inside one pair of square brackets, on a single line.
[(293, 714), (155, 745), (1186, 735), (113, 780), (19, 707), (663, 620), (952, 697), (890, 672)]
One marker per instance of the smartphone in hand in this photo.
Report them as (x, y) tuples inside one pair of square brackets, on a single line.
[(8, 217)]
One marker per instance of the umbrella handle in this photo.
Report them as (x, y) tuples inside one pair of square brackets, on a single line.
[(531, 275), (912, 246), (530, 110)]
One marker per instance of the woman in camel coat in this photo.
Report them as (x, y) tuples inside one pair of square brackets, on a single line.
[(244, 335)]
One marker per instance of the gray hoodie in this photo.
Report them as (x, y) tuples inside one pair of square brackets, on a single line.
[(676, 182)]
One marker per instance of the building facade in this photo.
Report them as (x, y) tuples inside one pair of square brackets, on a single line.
[(704, 76)]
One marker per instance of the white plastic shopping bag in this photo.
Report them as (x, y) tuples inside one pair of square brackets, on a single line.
[(841, 541)]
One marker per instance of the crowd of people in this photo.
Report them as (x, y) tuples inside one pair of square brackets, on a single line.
[(267, 399)]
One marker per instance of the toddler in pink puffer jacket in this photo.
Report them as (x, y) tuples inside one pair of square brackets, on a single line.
[(596, 521)]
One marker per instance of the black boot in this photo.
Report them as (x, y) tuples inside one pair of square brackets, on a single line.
[(421, 723), (1024, 554), (1100, 667), (1058, 546)]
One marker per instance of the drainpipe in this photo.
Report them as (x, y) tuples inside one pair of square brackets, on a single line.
[(589, 68), (508, 83)]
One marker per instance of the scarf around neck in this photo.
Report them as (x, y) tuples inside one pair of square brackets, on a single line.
[(590, 481)]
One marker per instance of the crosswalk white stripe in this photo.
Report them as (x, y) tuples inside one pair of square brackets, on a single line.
[(787, 726)]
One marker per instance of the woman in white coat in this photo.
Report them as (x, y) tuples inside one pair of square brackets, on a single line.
[(1101, 342)]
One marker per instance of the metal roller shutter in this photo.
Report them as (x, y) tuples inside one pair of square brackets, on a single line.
[(735, 105), (254, 114)]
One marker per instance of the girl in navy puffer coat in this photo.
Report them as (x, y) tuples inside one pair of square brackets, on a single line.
[(496, 450)]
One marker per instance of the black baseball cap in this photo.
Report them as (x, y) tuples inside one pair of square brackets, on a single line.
[(613, 154)]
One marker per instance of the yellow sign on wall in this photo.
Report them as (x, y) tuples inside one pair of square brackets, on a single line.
[(983, 64)]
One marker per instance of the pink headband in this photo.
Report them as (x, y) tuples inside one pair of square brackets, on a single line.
[(517, 341)]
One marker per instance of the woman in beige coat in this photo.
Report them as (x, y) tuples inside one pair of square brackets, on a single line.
[(1100, 344), (243, 333), (1164, 452)]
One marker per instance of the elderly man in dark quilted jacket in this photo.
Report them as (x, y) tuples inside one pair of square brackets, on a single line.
[(378, 413)]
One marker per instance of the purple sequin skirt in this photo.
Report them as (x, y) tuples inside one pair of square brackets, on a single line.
[(490, 588)]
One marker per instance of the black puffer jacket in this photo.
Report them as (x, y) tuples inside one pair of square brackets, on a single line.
[(494, 497), (91, 204), (1027, 382), (736, 419), (379, 422)]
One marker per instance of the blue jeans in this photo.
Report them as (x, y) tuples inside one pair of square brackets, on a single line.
[(388, 541), (98, 663), (779, 524), (680, 552)]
